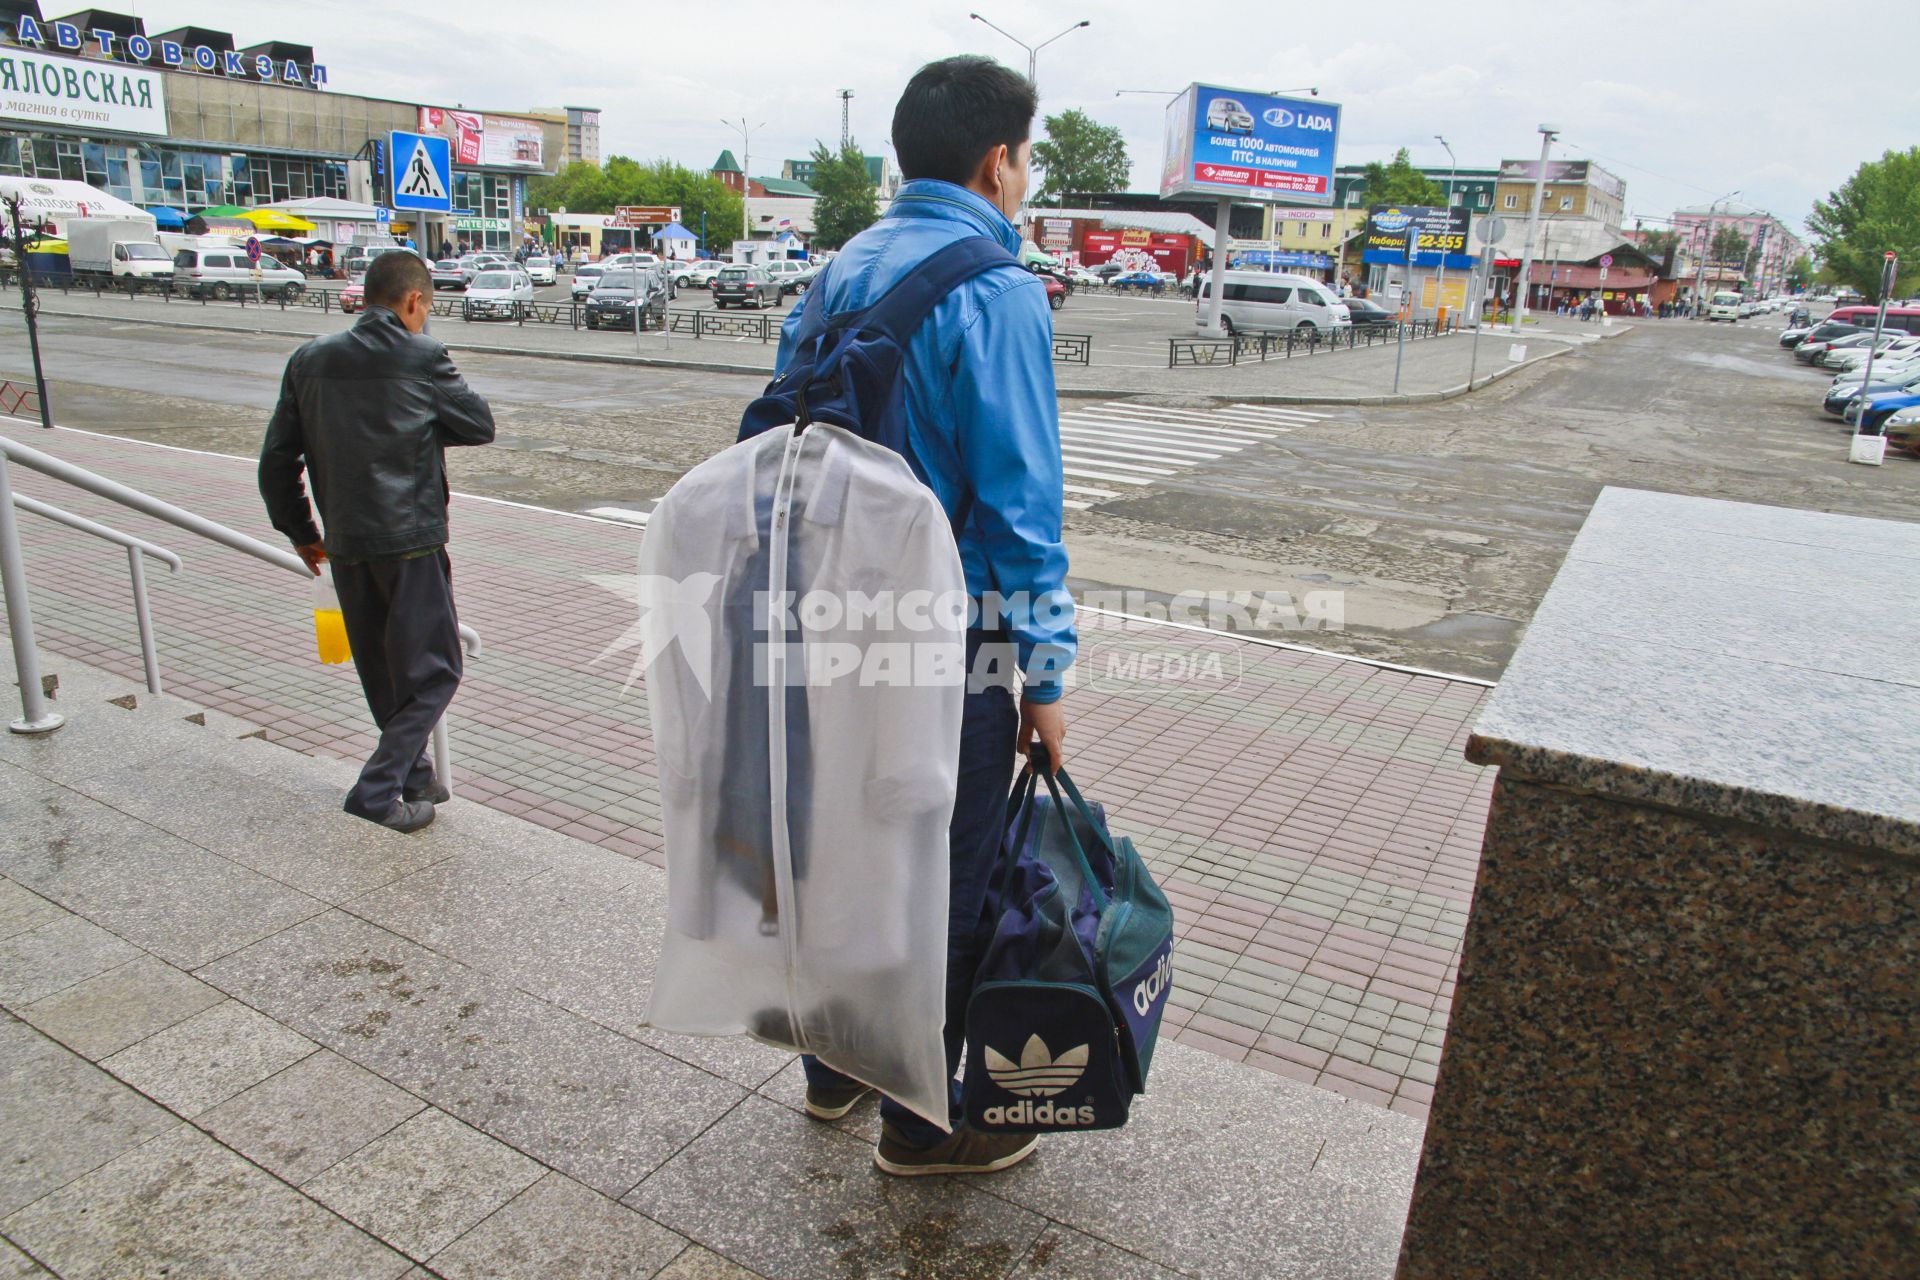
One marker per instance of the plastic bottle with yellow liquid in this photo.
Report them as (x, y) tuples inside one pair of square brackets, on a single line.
[(329, 626)]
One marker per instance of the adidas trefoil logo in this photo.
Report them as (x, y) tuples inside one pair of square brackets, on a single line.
[(1038, 1074)]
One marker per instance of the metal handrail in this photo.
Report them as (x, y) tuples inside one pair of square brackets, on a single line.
[(37, 718), (136, 547)]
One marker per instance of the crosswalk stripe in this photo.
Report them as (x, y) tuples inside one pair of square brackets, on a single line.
[(1187, 417), (1191, 432), (1229, 415), (625, 515), (1072, 505), (1105, 458), (1103, 475), (1152, 439), (1147, 447), (1287, 410), (1089, 490)]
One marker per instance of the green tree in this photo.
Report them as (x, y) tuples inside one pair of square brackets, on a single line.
[(1800, 275), (1728, 246), (1080, 154), (1400, 183), (1658, 244), (846, 206), (1874, 211), (585, 188)]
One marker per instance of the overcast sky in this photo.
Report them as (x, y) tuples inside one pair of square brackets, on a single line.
[(1685, 100)]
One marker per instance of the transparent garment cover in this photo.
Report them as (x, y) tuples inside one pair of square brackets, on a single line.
[(807, 755)]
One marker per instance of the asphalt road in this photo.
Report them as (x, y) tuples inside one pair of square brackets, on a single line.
[(1439, 526)]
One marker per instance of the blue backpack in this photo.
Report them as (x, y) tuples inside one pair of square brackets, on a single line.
[(845, 369)]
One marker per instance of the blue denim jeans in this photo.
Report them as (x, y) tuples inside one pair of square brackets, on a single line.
[(987, 730)]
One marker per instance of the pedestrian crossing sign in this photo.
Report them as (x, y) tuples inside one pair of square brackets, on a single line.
[(422, 173)]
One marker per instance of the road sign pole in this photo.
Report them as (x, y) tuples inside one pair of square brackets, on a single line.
[(1866, 378)]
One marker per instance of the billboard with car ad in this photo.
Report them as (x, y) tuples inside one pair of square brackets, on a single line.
[(1250, 146), (495, 141)]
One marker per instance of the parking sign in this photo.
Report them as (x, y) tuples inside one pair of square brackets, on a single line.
[(253, 248)]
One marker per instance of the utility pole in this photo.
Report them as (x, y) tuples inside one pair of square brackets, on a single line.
[(1547, 134), (846, 134), (1700, 272), (1440, 286)]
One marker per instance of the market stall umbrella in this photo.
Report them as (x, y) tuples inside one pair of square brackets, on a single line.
[(274, 220), (223, 211), (167, 218), (673, 231)]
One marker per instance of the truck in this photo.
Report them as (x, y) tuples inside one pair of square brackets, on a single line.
[(116, 249)]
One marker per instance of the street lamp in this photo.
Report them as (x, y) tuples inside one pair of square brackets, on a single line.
[(1700, 272), (1033, 50), (1441, 286), (746, 171), (1547, 134)]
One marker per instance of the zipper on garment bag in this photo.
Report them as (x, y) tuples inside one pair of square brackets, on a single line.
[(776, 671)]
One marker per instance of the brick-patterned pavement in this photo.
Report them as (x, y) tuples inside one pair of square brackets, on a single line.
[(1312, 819)]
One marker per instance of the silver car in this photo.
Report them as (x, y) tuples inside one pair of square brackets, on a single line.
[(498, 293)]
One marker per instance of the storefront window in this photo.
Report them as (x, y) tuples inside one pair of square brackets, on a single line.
[(10, 156)]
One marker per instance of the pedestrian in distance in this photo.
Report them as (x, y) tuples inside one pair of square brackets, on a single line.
[(365, 417), (983, 422)]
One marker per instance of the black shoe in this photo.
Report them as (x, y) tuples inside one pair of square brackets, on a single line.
[(435, 792), (404, 816), (830, 1102)]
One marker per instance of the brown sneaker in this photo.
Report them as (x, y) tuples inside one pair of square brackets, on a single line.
[(830, 1103), (962, 1151)]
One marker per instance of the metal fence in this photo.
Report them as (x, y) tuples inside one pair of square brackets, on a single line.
[(1073, 348), (1262, 345)]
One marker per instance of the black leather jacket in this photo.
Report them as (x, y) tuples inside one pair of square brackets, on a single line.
[(367, 413)]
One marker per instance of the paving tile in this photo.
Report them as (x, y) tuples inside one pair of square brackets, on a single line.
[(53, 956), (1239, 1145), (793, 1199), (557, 1227), (15, 1265), (60, 1116), (154, 890), (183, 1205), (305, 1119), (112, 1010), (22, 909), (585, 1100), (701, 1264), (423, 1185), (209, 1057), (1062, 1253)]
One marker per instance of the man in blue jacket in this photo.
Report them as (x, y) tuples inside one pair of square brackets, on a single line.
[(984, 425)]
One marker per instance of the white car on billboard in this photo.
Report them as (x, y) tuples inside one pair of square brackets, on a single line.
[(1227, 115)]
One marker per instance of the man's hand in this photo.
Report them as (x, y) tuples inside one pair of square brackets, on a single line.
[(311, 555), (1047, 722)]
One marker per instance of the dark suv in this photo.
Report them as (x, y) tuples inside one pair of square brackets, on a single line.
[(614, 300), (745, 286)]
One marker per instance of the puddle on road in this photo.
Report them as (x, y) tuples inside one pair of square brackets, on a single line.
[(1740, 364)]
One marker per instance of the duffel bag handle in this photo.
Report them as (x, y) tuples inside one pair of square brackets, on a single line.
[(1037, 763)]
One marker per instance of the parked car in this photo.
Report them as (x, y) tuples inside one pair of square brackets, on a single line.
[(226, 273), (585, 277), (1146, 280), (617, 298), (744, 286), (353, 297), (1108, 270), (696, 275), (1368, 314), (1078, 276), (1810, 351), (1902, 430), (474, 263), (1794, 335), (540, 270), (1840, 352), (448, 275), (1875, 416), (498, 293), (1839, 400), (1272, 301), (787, 273), (1056, 289)]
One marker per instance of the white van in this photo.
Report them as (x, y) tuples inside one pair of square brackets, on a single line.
[(1724, 306), (1256, 300)]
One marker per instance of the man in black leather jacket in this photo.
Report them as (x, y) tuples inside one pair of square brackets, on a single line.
[(366, 415)]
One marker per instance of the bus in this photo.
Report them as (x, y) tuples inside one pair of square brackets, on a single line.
[(1905, 319), (1724, 305)]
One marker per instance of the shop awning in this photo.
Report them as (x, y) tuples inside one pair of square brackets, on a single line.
[(167, 218), (674, 231), (274, 220)]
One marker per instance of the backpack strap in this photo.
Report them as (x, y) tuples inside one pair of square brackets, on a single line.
[(903, 308)]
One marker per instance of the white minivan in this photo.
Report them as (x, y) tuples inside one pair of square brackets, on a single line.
[(1256, 300), (1724, 306)]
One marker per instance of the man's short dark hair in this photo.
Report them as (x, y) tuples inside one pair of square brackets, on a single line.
[(392, 276), (956, 110)]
